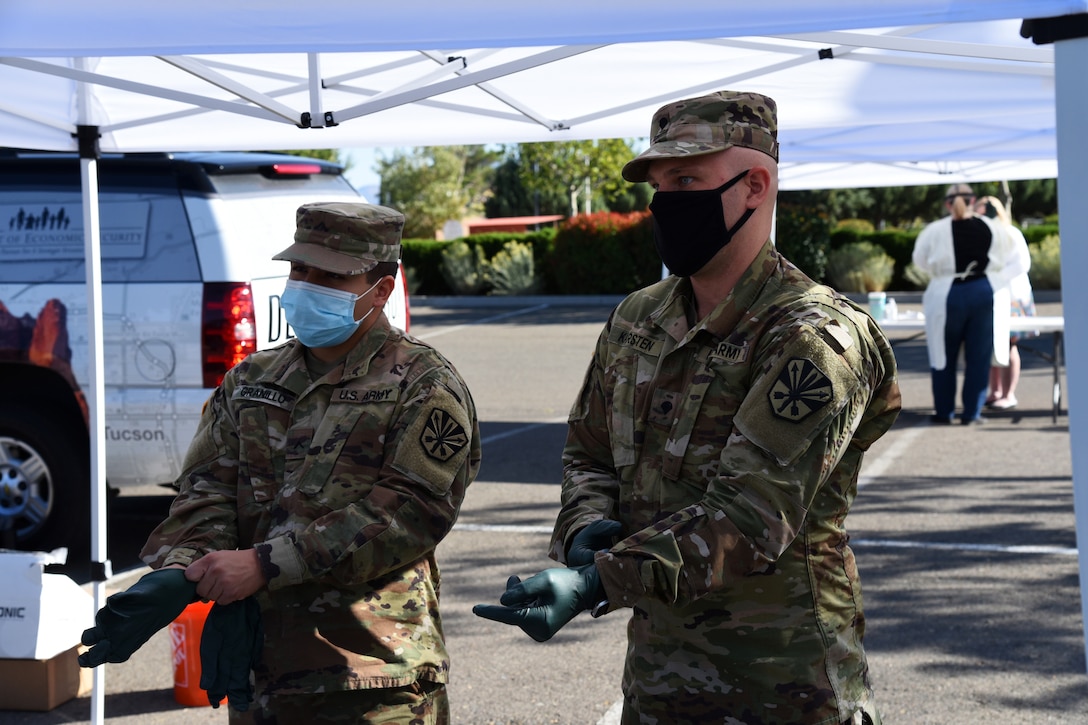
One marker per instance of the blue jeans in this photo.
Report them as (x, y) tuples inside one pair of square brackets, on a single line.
[(970, 326)]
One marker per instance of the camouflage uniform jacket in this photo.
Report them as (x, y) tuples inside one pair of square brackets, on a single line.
[(730, 453), (344, 485)]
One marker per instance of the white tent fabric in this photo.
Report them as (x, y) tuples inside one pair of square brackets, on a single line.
[(890, 92), (902, 105), (134, 27)]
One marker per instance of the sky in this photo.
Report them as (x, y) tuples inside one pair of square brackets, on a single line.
[(361, 175)]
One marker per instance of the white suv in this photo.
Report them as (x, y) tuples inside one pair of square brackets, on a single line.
[(189, 289)]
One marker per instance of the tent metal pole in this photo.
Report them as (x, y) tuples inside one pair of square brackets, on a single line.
[(87, 137), (317, 106), (1071, 101)]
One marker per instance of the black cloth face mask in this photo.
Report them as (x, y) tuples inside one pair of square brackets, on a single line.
[(689, 228)]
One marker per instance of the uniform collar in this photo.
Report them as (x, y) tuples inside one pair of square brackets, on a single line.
[(672, 314), (357, 363), (293, 375)]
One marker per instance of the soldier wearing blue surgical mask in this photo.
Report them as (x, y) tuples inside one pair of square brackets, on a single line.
[(322, 477), (712, 455), (331, 296), (321, 315)]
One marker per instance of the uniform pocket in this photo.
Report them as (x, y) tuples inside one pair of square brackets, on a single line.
[(325, 446), (260, 464), (623, 406)]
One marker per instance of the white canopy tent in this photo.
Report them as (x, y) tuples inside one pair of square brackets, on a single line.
[(895, 92), (899, 105)]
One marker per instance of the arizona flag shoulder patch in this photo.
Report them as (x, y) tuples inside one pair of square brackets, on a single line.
[(800, 390), (442, 436)]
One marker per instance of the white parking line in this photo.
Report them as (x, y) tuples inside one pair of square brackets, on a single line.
[(518, 431), (875, 467), (612, 717), (942, 546), (504, 528), (481, 321)]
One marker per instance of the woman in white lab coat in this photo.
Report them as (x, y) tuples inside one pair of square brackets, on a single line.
[(1003, 378), (970, 260)]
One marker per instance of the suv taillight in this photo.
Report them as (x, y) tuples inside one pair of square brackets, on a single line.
[(293, 169), (407, 306), (228, 332)]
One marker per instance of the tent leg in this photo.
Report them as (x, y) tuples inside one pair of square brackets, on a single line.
[(87, 137), (1071, 100)]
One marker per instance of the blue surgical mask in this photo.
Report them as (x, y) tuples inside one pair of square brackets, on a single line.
[(321, 316)]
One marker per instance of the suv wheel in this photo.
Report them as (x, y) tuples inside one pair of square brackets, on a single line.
[(44, 483)]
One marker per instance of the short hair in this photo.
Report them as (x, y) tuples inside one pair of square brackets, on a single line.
[(382, 269)]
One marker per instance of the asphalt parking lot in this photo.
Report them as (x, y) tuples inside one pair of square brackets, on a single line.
[(964, 537)]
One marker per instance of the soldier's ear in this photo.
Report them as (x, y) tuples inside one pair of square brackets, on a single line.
[(384, 290), (758, 181)]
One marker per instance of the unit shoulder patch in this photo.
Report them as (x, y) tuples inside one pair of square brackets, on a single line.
[(801, 389), (436, 442), (442, 436)]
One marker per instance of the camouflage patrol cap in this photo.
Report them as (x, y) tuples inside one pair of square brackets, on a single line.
[(345, 237), (707, 124)]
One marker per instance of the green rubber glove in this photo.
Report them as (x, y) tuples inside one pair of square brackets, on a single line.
[(130, 617), (599, 535), (230, 646), (543, 604)]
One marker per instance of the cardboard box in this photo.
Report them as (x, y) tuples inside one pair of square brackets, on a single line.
[(42, 685), (41, 615)]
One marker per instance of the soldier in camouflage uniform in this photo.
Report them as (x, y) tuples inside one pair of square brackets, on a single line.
[(713, 453), (322, 477)]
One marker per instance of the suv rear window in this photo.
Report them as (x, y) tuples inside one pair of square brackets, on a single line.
[(146, 235), (256, 183), (144, 229)]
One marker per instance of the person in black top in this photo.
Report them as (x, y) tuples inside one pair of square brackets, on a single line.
[(970, 260)]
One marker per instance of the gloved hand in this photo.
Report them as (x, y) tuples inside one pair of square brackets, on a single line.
[(597, 536), (543, 604), (229, 648), (129, 618)]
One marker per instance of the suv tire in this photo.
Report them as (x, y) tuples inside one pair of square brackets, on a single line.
[(43, 463)]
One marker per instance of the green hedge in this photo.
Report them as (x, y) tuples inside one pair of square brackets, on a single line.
[(803, 233), (896, 243), (612, 253), (604, 253), (1039, 232), (899, 244), (422, 260), (423, 257)]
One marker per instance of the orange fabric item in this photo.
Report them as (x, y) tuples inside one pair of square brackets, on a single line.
[(185, 634)]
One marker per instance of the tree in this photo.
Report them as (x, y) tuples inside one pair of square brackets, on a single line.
[(802, 227), (434, 184), (907, 207), (584, 173), (1036, 198), (510, 197)]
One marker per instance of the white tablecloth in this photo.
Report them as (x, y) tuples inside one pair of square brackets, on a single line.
[(1054, 324)]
